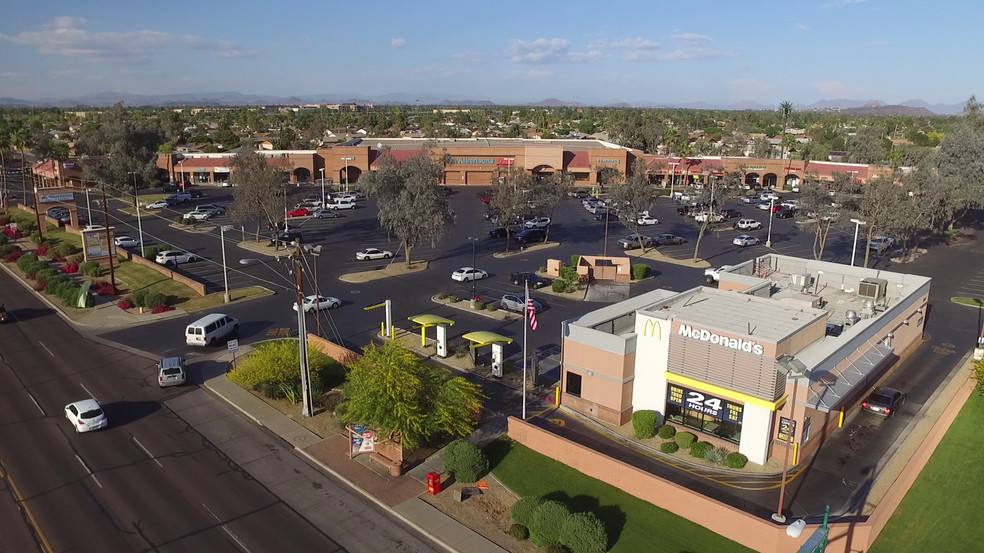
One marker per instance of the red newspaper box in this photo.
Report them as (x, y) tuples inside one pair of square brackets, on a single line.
[(433, 483)]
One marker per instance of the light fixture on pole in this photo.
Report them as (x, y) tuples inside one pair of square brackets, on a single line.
[(88, 208), (136, 203), (473, 241), (795, 369), (857, 227), (322, 186), (225, 268), (316, 252), (37, 216), (182, 185), (346, 160), (672, 171), (772, 205)]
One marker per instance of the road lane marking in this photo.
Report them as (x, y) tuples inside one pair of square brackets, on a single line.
[(141, 446), (45, 546), (46, 348), (38, 405), (88, 392), (94, 479), (226, 529)]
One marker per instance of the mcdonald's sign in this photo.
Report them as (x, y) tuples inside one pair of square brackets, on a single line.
[(653, 328)]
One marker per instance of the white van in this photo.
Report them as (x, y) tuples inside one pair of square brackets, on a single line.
[(208, 330), (341, 203)]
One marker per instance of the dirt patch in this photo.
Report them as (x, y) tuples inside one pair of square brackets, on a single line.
[(910, 256), (487, 514), (465, 305), (655, 255), (322, 423), (392, 270), (526, 249)]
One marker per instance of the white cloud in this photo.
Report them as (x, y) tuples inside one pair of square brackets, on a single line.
[(802, 28), (529, 74), (635, 44), (64, 73), (398, 42), (698, 53), (471, 57), (67, 36), (12, 75), (544, 51), (842, 3)]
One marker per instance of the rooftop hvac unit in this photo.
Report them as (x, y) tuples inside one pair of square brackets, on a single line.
[(800, 279), (873, 288)]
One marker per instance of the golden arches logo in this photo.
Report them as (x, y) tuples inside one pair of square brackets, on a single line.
[(653, 328)]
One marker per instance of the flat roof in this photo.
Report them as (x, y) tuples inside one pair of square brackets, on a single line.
[(570, 145)]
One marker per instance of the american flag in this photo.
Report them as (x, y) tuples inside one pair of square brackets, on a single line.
[(532, 312)]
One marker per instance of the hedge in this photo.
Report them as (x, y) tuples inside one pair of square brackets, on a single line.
[(558, 286), (736, 460), (700, 449), (66, 249), (519, 532), (465, 461), (546, 523), (575, 259), (91, 268), (685, 439), (644, 423), (154, 300), (640, 271), (522, 510), (667, 431), (584, 533), (669, 447)]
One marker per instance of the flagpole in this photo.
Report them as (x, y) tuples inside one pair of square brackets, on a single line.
[(526, 314)]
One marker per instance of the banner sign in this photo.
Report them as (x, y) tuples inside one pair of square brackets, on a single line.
[(51, 198), (704, 403), (363, 439), (787, 429)]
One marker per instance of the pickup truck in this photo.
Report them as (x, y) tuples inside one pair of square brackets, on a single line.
[(179, 198), (714, 275)]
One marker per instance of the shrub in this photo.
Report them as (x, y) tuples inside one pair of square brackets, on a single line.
[(700, 449), (669, 447), (442, 295), (558, 286), (330, 400), (546, 522), (716, 455), (3, 239), (164, 309), (522, 510), (70, 268), (341, 409), (542, 270), (519, 532), (490, 307), (27, 227), (44, 250), (77, 258), (45, 274), (269, 390), (465, 461), (125, 304), (556, 548), (685, 439), (276, 362), (461, 350), (13, 256), (179, 219), (66, 290), (575, 259), (640, 271), (151, 252), (55, 283), (91, 268), (479, 305), (26, 260), (153, 300), (667, 431), (568, 273), (584, 533), (736, 460), (35, 237), (137, 297), (40, 286), (66, 249), (7, 249), (453, 299), (644, 423)]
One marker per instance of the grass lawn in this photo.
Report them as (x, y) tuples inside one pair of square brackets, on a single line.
[(942, 511), (973, 302), (632, 524), (138, 277)]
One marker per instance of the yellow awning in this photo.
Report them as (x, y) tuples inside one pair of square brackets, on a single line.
[(724, 392), (485, 337), (429, 320)]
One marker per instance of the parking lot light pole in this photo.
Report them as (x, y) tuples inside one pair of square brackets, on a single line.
[(857, 227), (793, 374), (772, 205), (346, 160), (225, 268), (322, 187), (136, 202), (473, 241)]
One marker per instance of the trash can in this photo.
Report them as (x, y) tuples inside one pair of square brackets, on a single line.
[(433, 483)]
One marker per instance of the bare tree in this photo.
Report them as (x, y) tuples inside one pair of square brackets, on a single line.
[(816, 202), (634, 196), (546, 195), (716, 193), (512, 197), (258, 192)]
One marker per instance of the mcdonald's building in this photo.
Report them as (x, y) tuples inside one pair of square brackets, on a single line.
[(770, 359)]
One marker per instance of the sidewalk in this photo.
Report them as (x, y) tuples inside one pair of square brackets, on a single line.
[(400, 496)]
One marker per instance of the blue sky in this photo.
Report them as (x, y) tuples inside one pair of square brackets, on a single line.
[(660, 51)]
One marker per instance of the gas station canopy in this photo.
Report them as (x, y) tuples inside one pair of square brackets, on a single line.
[(429, 320), (484, 337)]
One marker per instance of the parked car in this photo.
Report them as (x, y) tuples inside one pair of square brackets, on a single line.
[(173, 257), (578, 193), (56, 212), (534, 280), (593, 207), (784, 213), (325, 214), (485, 196), (883, 401), (770, 196), (170, 372), (214, 207), (288, 237), (531, 235), (667, 239), (764, 206), (744, 240), (516, 302), (539, 222), (498, 232), (792, 204), (159, 204), (373, 253), (179, 198), (751, 198), (730, 213), (86, 415), (606, 213), (126, 242), (317, 303), (468, 274), (631, 242), (200, 215), (708, 217), (196, 193), (171, 187), (298, 212), (747, 224), (646, 220), (881, 243)]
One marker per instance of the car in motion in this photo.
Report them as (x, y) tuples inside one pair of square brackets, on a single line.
[(534, 280), (747, 224), (86, 415), (745, 240), (883, 401), (317, 303), (468, 274), (373, 253), (667, 239), (173, 257), (170, 372), (516, 302), (200, 214), (126, 242), (881, 243)]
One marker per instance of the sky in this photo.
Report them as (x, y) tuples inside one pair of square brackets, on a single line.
[(659, 51)]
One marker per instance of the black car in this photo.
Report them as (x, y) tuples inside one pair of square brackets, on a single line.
[(196, 193), (784, 214), (287, 238), (730, 213), (883, 401), (531, 235), (497, 232), (171, 187), (534, 280), (604, 213)]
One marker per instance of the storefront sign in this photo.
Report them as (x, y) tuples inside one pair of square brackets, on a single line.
[(704, 403), (747, 169), (472, 161), (787, 429), (608, 160), (704, 335), (96, 244), (51, 198), (220, 169), (508, 162)]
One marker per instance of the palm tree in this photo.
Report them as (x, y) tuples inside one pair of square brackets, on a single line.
[(4, 144), (18, 141), (785, 110)]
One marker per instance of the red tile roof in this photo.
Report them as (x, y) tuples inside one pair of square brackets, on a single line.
[(397, 155), (579, 160)]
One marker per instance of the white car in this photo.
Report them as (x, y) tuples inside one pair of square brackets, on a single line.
[(708, 217), (539, 222), (646, 220), (466, 274), (159, 204), (745, 240), (199, 215), (766, 196), (317, 303), (791, 204), (173, 257), (126, 242), (86, 415), (748, 224), (881, 243), (373, 253)]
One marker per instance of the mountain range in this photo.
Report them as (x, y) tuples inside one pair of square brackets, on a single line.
[(103, 99)]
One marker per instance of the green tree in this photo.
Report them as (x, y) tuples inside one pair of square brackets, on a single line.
[(785, 110), (412, 205), (546, 194), (510, 195), (398, 394), (815, 202), (259, 192), (868, 145), (4, 144), (716, 193), (635, 196), (119, 143), (18, 141)]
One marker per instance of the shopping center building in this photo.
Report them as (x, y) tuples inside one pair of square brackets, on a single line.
[(772, 358)]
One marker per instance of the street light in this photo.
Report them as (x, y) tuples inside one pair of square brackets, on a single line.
[(225, 268), (673, 167), (795, 369), (346, 160), (136, 202), (322, 186), (772, 204), (182, 185), (473, 241), (857, 227)]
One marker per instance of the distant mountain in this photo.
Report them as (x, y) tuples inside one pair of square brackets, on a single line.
[(228, 98)]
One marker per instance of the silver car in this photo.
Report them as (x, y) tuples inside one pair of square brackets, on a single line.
[(170, 372), (515, 302)]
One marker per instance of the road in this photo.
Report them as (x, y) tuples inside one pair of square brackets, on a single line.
[(151, 481)]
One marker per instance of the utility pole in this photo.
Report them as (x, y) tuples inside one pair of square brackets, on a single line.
[(109, 239), (302, 335)]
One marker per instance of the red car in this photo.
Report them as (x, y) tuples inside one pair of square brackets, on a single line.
[(298, 212)]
